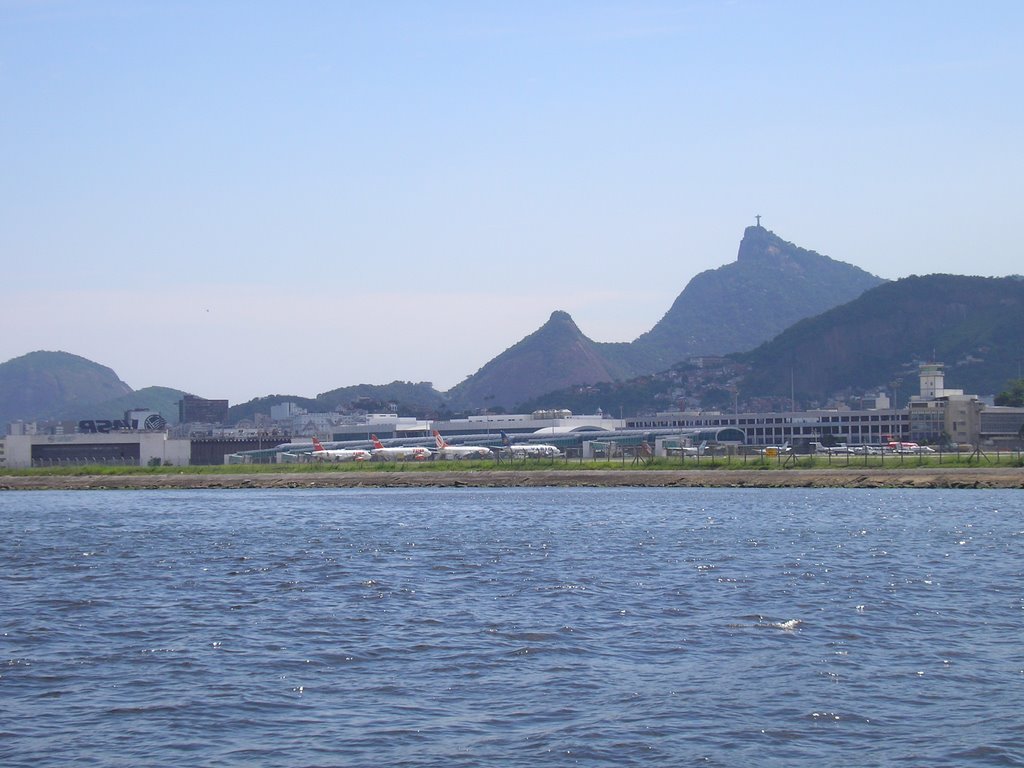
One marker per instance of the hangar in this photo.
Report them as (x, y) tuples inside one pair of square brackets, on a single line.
[(122, 448)]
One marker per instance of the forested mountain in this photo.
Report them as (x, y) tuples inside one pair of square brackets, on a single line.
[(733, 308), (420, 400), (554, 356), (43, 385), (163, 400), (975, 325), (771, 285)]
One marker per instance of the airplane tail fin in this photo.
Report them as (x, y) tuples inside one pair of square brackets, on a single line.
[(317, 445), (438, 440), (376, 443), (504, 438)]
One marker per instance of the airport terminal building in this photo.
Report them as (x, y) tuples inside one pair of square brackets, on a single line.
[(936, 416), (854, 427), (120, 448)]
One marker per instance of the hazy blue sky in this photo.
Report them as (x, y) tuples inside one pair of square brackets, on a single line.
[(244, 198)]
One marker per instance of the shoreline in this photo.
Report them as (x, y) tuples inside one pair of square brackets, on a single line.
[(997, 477)]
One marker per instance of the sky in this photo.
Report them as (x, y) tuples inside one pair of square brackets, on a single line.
[(243, 198)]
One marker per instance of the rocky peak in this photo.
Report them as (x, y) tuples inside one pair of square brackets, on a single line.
[(760, 244)]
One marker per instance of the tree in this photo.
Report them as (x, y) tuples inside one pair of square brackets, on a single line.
[(1014, 394)]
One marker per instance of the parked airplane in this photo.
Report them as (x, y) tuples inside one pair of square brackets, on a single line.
[(687, 450), (775, 450), (445, 451), (398, 452), (832, 450), (897, 446), (320, 453), (529, 450)]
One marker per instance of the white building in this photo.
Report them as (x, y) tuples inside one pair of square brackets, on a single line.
[(551, 422), (389, 425), (125, 448), (940, 415), (854, 427)]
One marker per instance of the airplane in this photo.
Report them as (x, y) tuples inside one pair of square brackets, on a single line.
[(688, 450), (869, 450), (693, 450), (445, 451), (398, 452), (337, 454), (897, 446), (832, 450), (529, 450), (775, 450)]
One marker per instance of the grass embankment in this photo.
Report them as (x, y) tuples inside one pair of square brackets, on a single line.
[(928, 461)]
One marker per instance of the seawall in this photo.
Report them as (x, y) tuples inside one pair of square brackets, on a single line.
[(1000, 477)]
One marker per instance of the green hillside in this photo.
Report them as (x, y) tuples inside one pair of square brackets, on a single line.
[(247, 411), (43, 385), (405, 397), (975, 325), (556, 355)]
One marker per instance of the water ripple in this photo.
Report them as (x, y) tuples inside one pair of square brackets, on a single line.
[(515, 627)]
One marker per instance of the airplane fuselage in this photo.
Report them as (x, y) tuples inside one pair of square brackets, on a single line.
[(341, 454), (455, 452), (414, 453), (319, 453), (534, 451)]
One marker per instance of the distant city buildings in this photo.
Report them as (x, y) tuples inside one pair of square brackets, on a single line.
[(192, 409), (935, 416)]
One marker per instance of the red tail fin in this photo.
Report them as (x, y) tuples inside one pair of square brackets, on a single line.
[(439, 440), (376, 443), (317, 446)]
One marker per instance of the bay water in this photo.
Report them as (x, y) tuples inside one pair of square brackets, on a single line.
[(512, 627)]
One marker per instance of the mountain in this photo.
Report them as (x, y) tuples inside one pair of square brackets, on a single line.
[(247, 411), (555, 355), (649, 393), (420, 400), (163, 400), (43, 385), (414, 399), (771, 285), (975, 325)]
